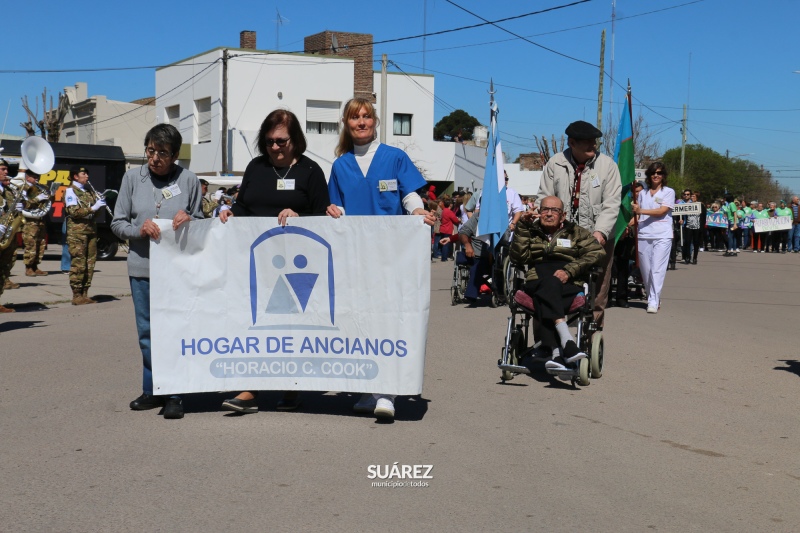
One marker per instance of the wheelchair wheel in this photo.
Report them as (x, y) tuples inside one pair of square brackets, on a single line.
[(508, 278), (583, 372), (516, 346), (454, 295), (596, 355)]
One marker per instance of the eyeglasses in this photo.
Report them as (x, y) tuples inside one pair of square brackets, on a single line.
[(280, 142), (162, 154), (658, 173), (555, 210)]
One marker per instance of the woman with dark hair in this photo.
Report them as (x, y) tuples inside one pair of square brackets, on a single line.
[(161, 189), (654, 209), (283, 183), (371, 178)]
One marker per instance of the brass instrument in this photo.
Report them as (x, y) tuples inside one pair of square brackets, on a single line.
[(12, 219), (45, 207), (101, 197), (38, 157)]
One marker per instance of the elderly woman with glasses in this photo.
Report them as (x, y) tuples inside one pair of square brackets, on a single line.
[(161, 189), (282, 183), (654, 209)]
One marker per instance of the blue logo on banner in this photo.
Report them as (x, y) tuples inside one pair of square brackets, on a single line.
[(291, 272)]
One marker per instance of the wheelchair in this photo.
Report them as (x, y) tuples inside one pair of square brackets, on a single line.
[(518, 353), (458, 288)]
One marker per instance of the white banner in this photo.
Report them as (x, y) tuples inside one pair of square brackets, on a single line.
[(772, 224), (692, 208), (323, 304)]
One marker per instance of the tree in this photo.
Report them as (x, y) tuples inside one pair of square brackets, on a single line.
[(646, 146), (457, 121), (713, 175), (52, 119)]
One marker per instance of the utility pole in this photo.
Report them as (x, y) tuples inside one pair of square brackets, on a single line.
[(224, 132), (384, 62), (600, 89), (683, 143)]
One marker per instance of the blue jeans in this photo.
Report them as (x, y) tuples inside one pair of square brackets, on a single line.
[(745, 238), (731, 239), (794, 238), (140, 292), (66, 259)]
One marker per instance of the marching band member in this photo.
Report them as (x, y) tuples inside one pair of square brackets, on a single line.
[(7, 206), (34, 234), (81, 204)]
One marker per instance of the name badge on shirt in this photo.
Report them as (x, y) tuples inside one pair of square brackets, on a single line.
[(659, 199), (286, 185), (596, 182), (564, 243), (169, 192), (387, 185)]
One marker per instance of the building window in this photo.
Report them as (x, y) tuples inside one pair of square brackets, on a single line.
[(402, 124), (203, 114), (323, 128), (174, 116), (322, 117)]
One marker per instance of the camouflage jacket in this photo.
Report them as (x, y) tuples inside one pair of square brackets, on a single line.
[(80, 218), (571, 243), (208, 207)]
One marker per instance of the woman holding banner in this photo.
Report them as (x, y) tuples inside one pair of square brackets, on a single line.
[(372, 178), (283, 183), (162, 189), (654, 209)]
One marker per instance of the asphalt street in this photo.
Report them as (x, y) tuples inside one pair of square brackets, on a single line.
[(693, 427)]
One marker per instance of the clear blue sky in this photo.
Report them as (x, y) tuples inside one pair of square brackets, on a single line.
[(743, 94)]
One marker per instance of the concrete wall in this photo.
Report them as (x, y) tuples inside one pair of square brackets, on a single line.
[(98, 120)]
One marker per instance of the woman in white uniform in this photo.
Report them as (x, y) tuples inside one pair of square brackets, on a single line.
[(654, 209)]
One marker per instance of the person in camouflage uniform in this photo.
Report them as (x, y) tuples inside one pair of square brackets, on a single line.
[(81, 204), (34, 235), (208, 204), (7, 256)]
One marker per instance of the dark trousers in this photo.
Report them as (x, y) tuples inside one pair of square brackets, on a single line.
[(691, 238), (552, 300), (479, 268)]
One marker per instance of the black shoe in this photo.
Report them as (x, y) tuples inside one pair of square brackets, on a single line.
[(173, 408), (694, 261), (147, 401), (572, 353), (623, 304), (289, 402), (240, 406)]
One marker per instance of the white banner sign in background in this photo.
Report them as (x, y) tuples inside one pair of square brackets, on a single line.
[(772, 224), (321, 304), (692, 208)]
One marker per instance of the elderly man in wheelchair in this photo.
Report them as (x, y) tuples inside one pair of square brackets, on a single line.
[(557, 257)]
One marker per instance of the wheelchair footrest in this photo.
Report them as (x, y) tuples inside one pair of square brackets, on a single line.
[(569, 372), (514, 368)]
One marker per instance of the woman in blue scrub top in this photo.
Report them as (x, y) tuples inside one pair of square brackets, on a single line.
[(371, 178)]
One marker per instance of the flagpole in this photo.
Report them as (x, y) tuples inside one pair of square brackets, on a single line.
[(635, 217)]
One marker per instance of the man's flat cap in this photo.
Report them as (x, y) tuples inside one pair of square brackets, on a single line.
[(582, 130)]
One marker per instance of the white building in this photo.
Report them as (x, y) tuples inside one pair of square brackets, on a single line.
[(315, 87), (98, 120)]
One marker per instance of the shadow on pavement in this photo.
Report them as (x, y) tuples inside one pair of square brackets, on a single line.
[(792, 366), (407, 408), (19, 324)]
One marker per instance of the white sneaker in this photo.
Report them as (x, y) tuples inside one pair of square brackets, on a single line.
[(554, 365), (652, 310), (366, 404), (702, 250), (384, 409)]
